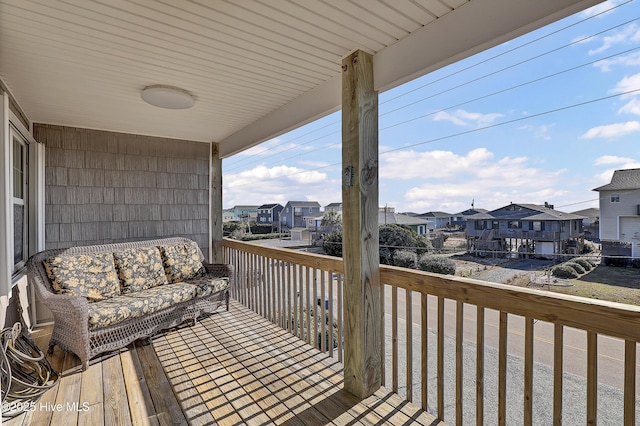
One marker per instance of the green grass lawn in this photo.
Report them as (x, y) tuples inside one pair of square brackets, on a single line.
[(610, 283)]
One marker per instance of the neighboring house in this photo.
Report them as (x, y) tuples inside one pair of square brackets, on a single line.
[(227, 215), (590, 223), (437, 220), (526, 228), (416, 223), (269, 214), (333, 207), (620, 214), (313, 221), (293, 214), (459, 220), (245, 213)]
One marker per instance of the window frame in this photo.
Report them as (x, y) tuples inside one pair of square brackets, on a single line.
[(16, 136), (615, 197)]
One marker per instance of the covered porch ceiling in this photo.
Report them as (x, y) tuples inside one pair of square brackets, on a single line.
[(256, 68)]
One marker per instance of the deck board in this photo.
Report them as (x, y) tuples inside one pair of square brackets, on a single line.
[(229, 368)]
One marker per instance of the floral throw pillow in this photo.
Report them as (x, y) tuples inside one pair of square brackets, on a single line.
[(88, 275), (139, 269), (181, 262)]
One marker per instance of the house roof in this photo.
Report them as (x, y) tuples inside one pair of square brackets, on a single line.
[(622, 179), (399, 219), (247, 207), (268, 206), (517, 211), (303, 204), (333, 205), (256, 69), (591, 212), (436, 214), (469, 212)]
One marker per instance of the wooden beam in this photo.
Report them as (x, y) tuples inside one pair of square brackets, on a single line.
[(362, 365), (216, 255)]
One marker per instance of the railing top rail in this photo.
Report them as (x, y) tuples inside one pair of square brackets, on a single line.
[(318, 261), (610, 318)]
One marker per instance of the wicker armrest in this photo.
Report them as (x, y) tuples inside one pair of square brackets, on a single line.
[(218, 269)]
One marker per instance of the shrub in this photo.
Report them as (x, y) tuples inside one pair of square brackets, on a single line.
[(588, 247), (332, 244), (405, 259), (576, 267), (635, 263), (437, 264), (584, 263), (564, 271), (395, 237)]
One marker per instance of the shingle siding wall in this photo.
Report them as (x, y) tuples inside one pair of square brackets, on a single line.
[(104, 187)]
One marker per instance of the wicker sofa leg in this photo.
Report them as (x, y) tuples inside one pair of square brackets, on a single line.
[(226, 300), (50, 350)]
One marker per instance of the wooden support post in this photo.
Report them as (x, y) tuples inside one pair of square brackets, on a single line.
[(216, 255), (362, 364)]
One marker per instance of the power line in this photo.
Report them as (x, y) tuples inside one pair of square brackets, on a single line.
[(451, 75), (491, 126)]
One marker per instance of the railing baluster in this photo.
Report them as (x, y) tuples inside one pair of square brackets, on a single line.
[(315, 307), (440, 378), (424, 365), (558, 346), (383, 338), (323, 312), (264, 286), (300, 295), (459, 360), (479, 365), (409, 349), (592, 378), (502, 369), (289, 298), (394, 339), (629, 383), (274, 295), (307, 295), (330, 319), (528, 371), (340, 317)]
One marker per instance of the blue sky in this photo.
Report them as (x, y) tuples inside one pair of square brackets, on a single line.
[(543, 118)]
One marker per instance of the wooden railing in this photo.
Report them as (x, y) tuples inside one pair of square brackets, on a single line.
[(281, 284)]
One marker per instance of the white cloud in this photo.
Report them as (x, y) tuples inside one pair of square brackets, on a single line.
[(630, 60), (430, 164), (612, 159), (461, 117), (611, 131), (270, 147), (599, 8), (629, 34), (541, 132), (627, 84), (631, 107)]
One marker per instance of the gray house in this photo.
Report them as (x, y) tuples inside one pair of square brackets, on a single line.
[(437, 220), (294, 212), (268, 214), (525, 228), (459, 220), (620, 214)]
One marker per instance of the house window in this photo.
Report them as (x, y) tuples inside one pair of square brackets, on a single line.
[(615, 198), (514, 224), (19, 200), (479, 225), (495, 224), (537, 226)]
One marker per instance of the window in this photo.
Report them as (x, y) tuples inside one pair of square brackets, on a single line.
[(479, 225), (537, 226), (514, 224), (615, 198), (19, 199), (495, 224)]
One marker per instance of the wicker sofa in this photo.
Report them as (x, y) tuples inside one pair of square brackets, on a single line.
[(105, 297)]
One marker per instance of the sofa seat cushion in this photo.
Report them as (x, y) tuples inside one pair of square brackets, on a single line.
[(139, 269), (208, 285), (181, 262), (92, 276), (133, 305)]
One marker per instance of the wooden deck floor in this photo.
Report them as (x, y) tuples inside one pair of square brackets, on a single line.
[(230, 368)]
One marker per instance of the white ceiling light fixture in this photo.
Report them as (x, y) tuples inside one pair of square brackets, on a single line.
[(168, 97)]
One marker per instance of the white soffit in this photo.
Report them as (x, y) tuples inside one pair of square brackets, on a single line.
[(473, 27)]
